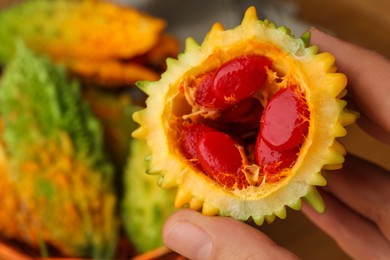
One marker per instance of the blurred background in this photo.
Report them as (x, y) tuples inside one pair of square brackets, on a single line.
[(364, 22)]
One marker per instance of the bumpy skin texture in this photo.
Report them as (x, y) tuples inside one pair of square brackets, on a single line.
[(145, 206), (106, 44), (56, 184), (44, 25), (294, 62)]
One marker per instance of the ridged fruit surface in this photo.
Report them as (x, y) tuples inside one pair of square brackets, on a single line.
[(245, 123), (56, 183), (145, 206)]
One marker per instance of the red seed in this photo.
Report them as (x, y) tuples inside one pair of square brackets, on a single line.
[(284, 123), (190, 137), (221, 160), (240, 78), (204, 95), (272, 161), (233, 82)]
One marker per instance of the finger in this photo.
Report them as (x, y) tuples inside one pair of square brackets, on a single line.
[(365, 188), (367, 124), (373, 129), (355, 235), (202, 237), (368, 74)]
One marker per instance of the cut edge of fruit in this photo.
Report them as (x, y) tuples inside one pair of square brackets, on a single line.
[(193, 187)]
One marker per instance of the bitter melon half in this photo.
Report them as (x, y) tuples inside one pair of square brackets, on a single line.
[(245, 123)]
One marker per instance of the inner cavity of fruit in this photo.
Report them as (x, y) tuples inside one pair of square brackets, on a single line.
[(234, 134)]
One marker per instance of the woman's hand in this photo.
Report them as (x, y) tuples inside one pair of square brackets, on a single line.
[(357, 197)]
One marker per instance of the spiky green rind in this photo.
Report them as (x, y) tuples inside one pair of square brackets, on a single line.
[(54, 161), (145, 206), (306, 39), (37, 102)]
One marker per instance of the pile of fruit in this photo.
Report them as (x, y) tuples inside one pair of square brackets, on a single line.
[(72, 180)]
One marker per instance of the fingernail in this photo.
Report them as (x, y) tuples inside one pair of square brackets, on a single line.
[(188, 240)]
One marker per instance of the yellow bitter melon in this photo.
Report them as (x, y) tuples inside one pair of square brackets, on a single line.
[(103, 42)]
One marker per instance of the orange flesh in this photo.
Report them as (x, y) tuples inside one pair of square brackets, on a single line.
[(263, 154)]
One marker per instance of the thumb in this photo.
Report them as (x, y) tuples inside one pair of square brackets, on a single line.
[(202, 237)]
